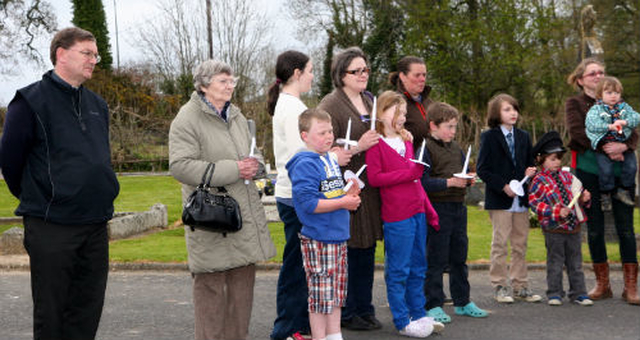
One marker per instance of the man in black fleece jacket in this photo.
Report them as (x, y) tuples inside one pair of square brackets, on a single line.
[(56, 160)]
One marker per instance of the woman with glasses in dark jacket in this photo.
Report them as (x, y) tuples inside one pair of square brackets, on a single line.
[(350, 101)]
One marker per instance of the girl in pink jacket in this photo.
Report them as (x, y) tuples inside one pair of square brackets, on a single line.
[(404, 206)]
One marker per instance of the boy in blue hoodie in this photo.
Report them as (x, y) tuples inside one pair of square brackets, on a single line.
[(321, 204)]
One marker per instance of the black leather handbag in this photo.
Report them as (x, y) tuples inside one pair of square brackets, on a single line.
[(211, 212)]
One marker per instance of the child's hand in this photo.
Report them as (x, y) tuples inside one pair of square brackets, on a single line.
[(350, 202), (344, 156), (355, 188), (621, 122), (456, 182), (530, 171), (507, 190), (406, 135), (586, 196), (564, 212)]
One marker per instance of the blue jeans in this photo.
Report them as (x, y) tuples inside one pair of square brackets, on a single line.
[(622, 215), (292, 292), (448, 246), (361, 263), (405, 267), (627, 174)]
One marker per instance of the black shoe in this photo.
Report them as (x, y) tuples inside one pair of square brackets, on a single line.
[(356, 323), (372, 320)]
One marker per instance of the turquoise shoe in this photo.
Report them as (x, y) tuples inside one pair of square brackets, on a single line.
[(471, 310), (439, 315)]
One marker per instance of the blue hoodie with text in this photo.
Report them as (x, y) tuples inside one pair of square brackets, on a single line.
[(315, 177)]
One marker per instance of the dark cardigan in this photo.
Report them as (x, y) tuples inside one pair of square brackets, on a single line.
[(416, 123)]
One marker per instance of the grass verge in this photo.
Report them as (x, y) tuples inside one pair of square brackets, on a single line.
[(140, 193)]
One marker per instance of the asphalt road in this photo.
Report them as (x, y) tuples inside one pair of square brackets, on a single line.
[(157, 305)]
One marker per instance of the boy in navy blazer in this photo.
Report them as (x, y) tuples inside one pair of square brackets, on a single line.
[(505, 154)]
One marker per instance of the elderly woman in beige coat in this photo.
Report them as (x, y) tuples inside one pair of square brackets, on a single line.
[(209, 129)]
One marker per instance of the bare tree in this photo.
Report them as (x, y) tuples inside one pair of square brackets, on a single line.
[(173, 40), (177, 40), (21, 23), (241, 35), (346, 20)]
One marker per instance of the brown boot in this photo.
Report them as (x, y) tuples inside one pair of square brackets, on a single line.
[(602, 290), (630, 292)]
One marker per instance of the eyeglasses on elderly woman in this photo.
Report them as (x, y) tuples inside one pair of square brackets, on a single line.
[(226, 81)]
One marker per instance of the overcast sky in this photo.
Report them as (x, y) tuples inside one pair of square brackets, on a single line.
[(130, 14)]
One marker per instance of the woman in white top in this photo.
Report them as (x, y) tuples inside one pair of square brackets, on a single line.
[(294, 74)]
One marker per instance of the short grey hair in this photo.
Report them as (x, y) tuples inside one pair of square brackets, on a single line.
[(341, 63), (207, 70)]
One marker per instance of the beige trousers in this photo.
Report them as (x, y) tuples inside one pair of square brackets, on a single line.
[(509, 227), (223, 302)]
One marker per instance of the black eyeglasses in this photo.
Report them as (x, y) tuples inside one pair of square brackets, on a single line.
[(359, 71)]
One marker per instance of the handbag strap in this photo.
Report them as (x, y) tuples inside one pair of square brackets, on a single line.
[(206, 178)]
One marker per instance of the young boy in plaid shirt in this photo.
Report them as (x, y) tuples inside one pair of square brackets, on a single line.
[(555, 195), (322, 206)]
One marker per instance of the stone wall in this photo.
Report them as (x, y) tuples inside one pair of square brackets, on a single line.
[(128, 224), (121, 226), (11, 242)]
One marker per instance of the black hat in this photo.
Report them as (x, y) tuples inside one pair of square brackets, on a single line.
[(549, 143)]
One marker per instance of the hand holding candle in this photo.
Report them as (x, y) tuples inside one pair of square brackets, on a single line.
[(349, 175)]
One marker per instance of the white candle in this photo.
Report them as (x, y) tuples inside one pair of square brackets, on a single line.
[(360, 170), (251, 154), (357, 175), (373, 114), (422, 150), (253, 146), (348, 136), (466, 161)]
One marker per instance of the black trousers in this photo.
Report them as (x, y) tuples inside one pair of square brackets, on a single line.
[(623, 220), (69, 269), (448, 247), (361, 265)]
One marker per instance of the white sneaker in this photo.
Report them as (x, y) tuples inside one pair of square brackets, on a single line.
[(525, 294), (503, 295), (555, 301), (583, 300), (427, 320), (417, 330)]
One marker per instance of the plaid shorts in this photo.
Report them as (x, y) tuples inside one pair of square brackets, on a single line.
[(325, 265)]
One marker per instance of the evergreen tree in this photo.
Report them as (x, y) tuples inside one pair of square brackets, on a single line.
[(326, 85), (89, 15)]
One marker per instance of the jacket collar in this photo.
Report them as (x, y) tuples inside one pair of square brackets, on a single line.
[(424, 94), (207, 108), (61, 83)]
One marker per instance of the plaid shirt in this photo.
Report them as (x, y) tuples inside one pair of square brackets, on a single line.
[(545, 199)]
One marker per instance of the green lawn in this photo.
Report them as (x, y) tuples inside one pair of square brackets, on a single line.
[(139, 193)]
